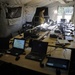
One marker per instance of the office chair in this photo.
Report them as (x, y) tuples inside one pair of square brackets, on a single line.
[(27, 25)]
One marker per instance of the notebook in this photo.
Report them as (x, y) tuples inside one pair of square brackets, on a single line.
[(58, 63), (69, 38), (18, 47), (38, 50), (63, 42)]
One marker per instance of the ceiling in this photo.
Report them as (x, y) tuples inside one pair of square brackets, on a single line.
[(40, 3), (35, 3)]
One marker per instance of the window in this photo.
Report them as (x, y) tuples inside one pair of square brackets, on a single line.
[(65, 13)]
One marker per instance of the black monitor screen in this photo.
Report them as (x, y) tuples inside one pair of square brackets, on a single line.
[(39, 46), (63, 20), (4, 43), (40, 9)]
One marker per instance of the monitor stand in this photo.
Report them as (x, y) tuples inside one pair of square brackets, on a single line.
[(58, 72)]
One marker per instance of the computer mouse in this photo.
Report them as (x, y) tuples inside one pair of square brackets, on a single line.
[(17, 58), (48, 55)]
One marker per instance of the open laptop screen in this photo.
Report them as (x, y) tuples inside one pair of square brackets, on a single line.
[(39, 47), (19, 43)]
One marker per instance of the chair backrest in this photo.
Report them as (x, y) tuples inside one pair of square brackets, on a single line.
[(4, 43)]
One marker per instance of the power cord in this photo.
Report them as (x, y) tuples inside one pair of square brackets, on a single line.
[(49, 53)]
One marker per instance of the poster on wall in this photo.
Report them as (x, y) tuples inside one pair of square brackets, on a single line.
[(13, 15), (13, 12)]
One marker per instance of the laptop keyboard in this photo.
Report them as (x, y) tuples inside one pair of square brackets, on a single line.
[(36, 57), (15, 52)]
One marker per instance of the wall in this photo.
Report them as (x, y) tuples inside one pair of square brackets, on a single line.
[(52, 7), (29, 13), (53, 15), (6, 29)]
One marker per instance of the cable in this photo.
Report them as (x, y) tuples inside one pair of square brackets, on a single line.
[(49, 52), (64, 53)]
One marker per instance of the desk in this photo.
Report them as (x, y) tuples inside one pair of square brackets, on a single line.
[(34, 65), (29, 64), (71, 48)]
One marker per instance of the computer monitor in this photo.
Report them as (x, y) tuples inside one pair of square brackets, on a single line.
[(63, 20), (61, 28), (4, 43)]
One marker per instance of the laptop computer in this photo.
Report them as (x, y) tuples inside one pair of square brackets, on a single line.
[(38, 50), (63, 42), (69, 38), (58, 63), (18, 47)]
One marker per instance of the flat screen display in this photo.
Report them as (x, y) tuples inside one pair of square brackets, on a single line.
[(19, 43), (63, 20)]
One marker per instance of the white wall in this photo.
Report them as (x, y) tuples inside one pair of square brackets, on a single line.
[(29, 13), (53, 15), (53, 7)]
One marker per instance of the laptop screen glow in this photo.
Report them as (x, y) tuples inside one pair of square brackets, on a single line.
[(19, 43)]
